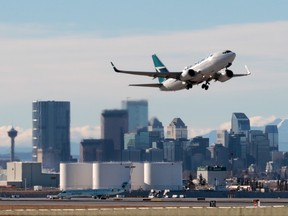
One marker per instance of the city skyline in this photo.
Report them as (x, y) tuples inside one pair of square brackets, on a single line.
[(24, 138), (66, 56)]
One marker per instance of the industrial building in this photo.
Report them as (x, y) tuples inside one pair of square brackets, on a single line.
[(143, 176), (214, 175), (29, 174)]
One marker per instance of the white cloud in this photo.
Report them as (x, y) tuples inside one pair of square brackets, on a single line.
[(23, 139), (77, 68), (255, 121), (259, 121), (85, 132), (193, 132)]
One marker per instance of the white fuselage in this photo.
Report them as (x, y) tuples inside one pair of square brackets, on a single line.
[(68, 194), (205, 70)]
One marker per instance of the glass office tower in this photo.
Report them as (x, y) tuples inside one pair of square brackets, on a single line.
[(51, 133)]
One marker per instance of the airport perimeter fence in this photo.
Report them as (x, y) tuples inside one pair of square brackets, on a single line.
[(154, 211)]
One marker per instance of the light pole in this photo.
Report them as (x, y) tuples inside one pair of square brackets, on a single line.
[(130, 167)]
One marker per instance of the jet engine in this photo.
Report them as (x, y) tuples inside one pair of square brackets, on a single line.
[(188, 74), (225, 75)]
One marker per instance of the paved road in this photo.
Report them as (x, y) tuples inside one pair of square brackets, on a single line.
[(20, 203)]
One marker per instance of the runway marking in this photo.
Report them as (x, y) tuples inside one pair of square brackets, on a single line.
[(143, 208), (106, 209), (157, 207), (119, 209)]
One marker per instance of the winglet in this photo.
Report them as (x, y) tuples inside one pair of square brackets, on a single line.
[(114, 67), (248, 72)]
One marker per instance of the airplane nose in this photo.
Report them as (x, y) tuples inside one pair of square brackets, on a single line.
[(232, 55)]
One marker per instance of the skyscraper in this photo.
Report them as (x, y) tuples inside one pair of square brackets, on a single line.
[(240, 124), (137, 114), (96, 150), (222, 137), (51, 133), (177, 129), (272, 133), (258, 148), (114, 124), (156, 127)]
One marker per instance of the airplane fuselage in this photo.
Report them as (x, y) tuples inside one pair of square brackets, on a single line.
[(96, 193), (204, 71)]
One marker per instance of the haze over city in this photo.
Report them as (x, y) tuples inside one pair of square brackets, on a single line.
[(61, 50)]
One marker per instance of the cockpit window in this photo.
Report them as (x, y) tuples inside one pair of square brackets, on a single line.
[(227, 51)]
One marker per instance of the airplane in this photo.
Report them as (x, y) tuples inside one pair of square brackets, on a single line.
[(94, 193), (203, 72)]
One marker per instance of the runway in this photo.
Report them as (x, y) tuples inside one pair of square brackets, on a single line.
[(87, 203)]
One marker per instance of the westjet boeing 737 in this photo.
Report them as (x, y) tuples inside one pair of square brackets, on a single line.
[(95, 193), (204, 71)]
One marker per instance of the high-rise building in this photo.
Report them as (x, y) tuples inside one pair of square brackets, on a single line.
[(96, 150), (51, 133), (240, 124), (222, 137), (258, 148), (219, 154), (156, 128), (114, 124), (172, 150), (137, 114), (272, 133), (199, 145), (177, 129), (139, 140), (235, 146)]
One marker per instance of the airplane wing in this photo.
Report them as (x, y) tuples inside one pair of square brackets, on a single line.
[(239, 75), (155, 85), (175, 75)]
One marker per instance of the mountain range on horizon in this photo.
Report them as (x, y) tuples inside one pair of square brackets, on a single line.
[(282, 125)]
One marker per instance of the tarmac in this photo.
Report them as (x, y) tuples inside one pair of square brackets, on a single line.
[(144, 206)]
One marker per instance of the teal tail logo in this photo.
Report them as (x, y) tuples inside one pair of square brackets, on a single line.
[(159, 67)]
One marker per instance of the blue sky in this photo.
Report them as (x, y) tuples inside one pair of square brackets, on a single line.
[(61, 50), (114, 18)]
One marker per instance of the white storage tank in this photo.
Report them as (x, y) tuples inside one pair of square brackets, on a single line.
[(75, 176), (163, 175), (110, 174), (137, 177)]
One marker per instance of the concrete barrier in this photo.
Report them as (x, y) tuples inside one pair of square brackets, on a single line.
[(154, 211)]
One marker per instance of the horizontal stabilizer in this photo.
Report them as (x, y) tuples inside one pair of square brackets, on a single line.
[(154, 85)]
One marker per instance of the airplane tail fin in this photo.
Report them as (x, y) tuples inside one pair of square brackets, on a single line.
[(125, 186), (160, 67)]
